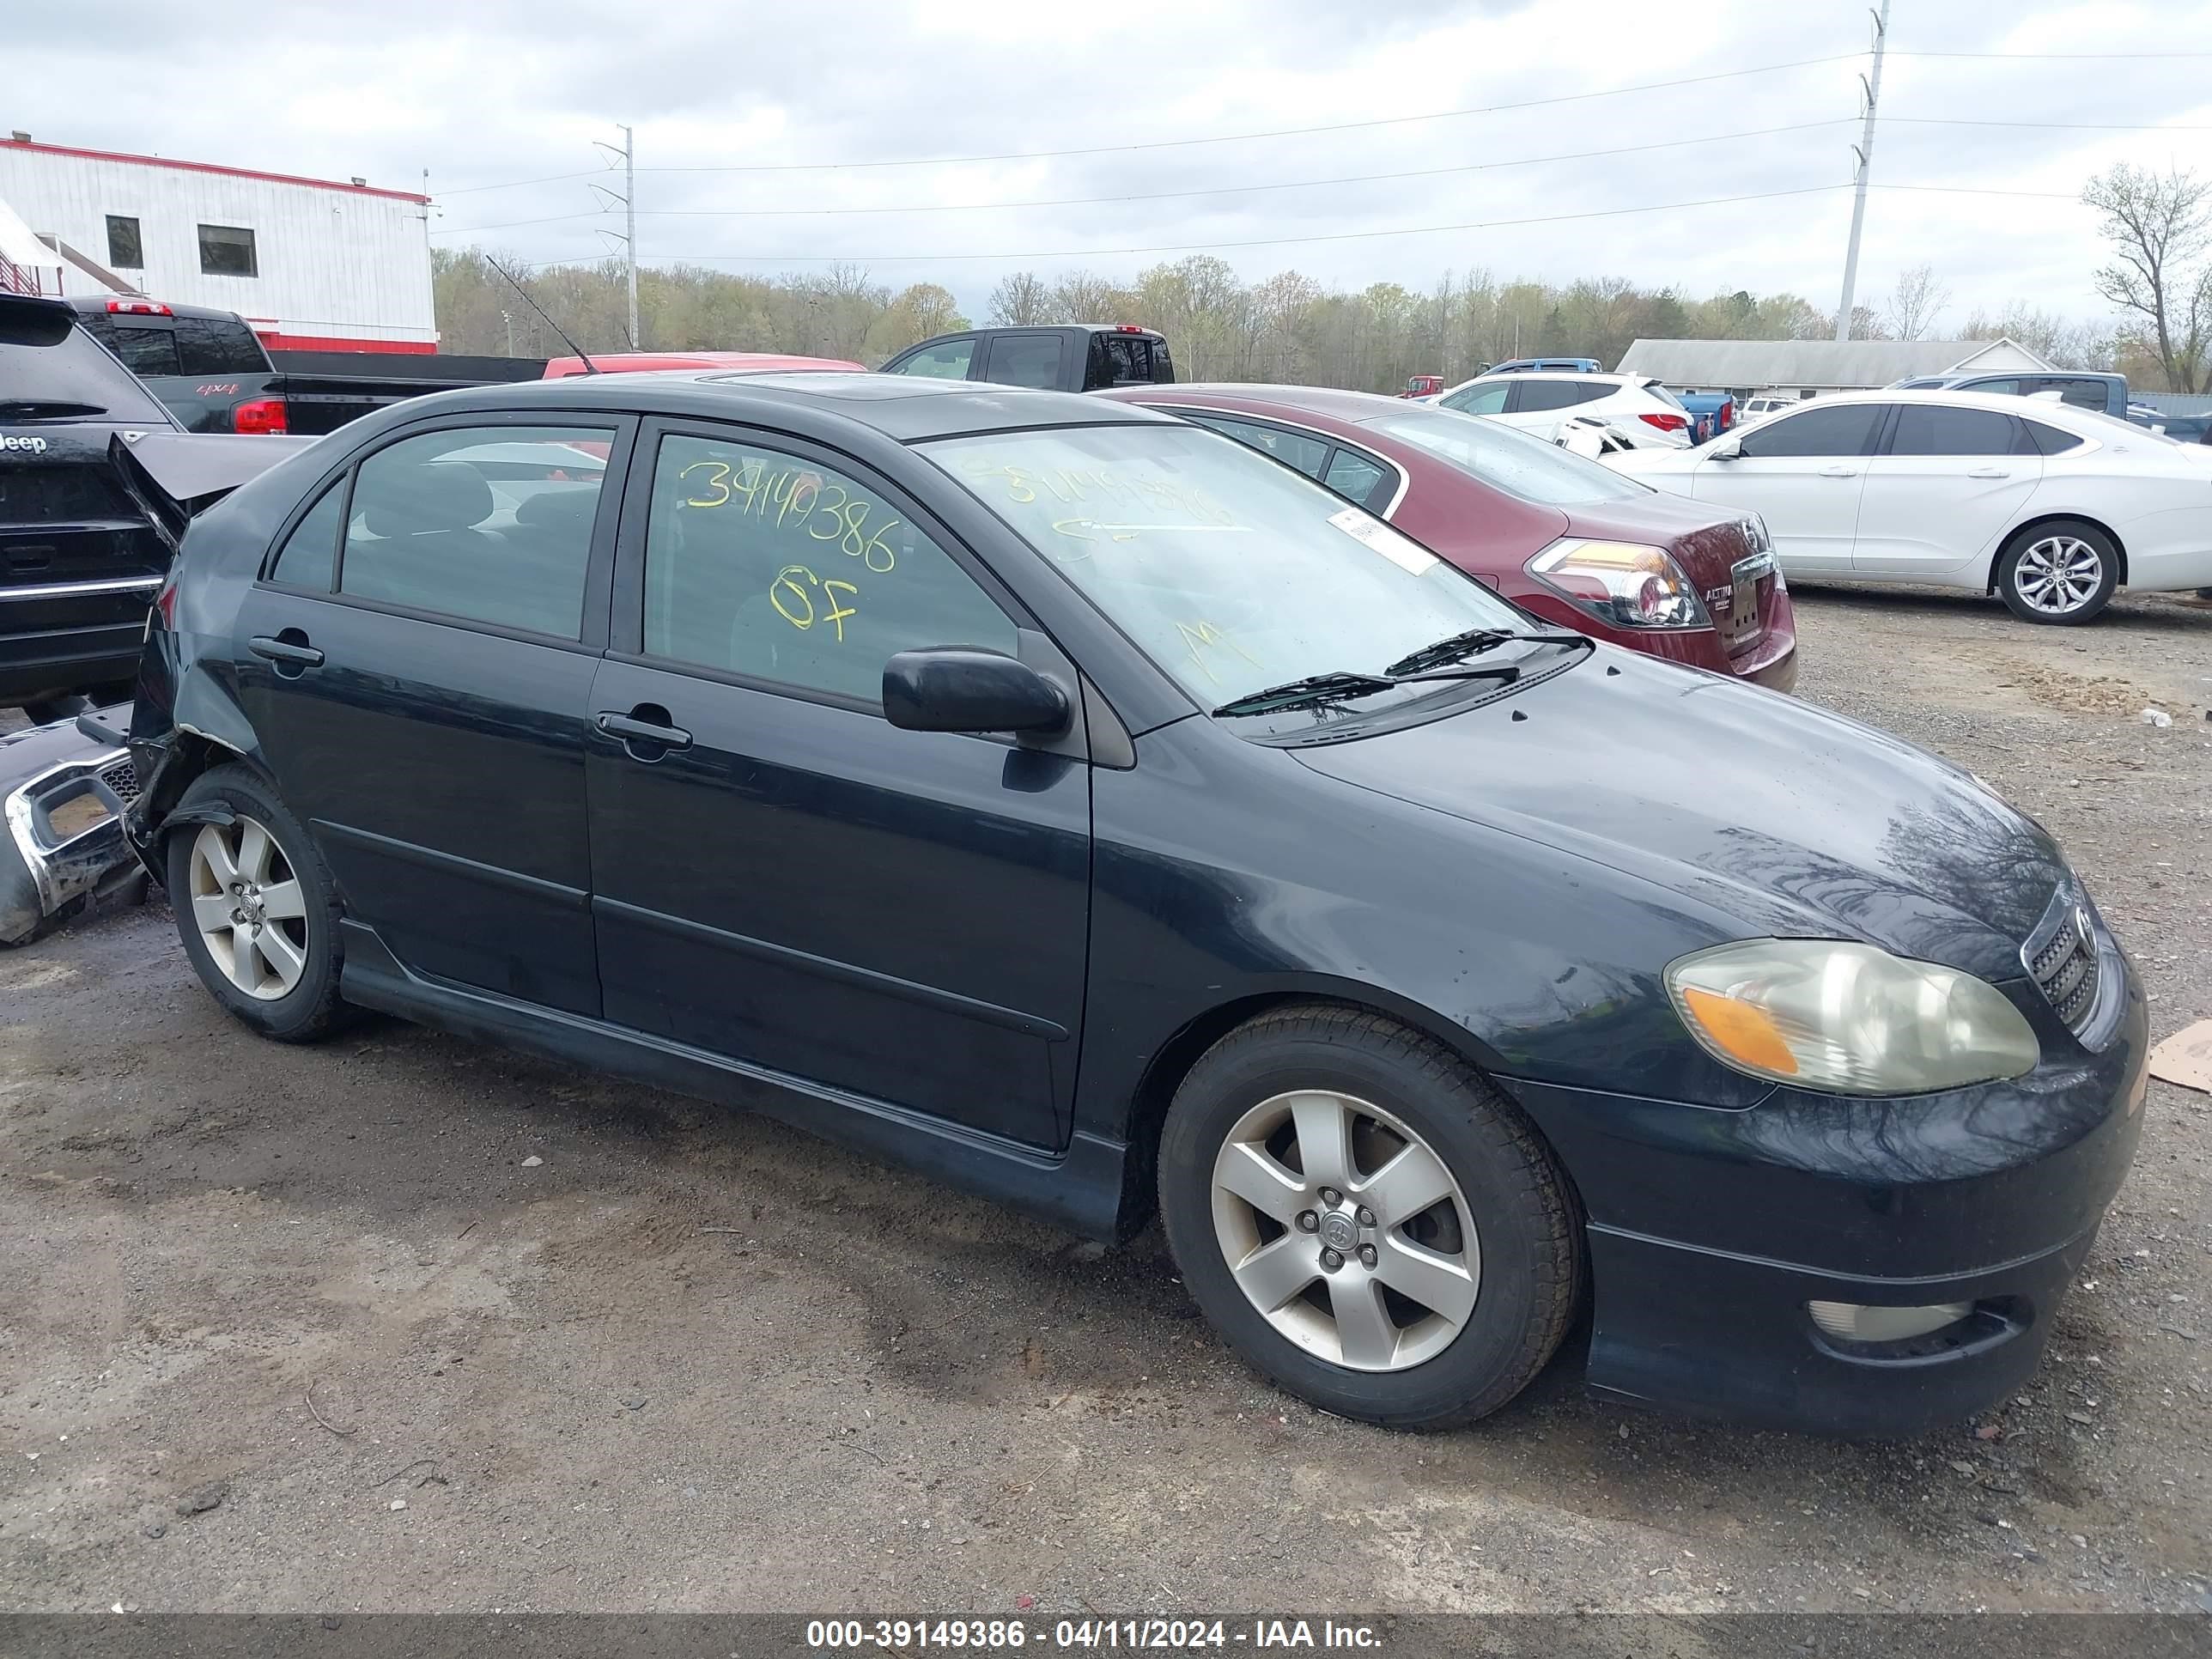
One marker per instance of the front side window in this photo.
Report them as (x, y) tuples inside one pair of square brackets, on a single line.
[(946, 361), (1941, 430), (1507, 459), (124, 250), (1478, 399), (1839, 429), (1295, 449), (761, 563), (487, 524), (1030, 360), (1230, 572)]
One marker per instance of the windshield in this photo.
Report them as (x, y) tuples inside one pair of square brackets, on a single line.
[(1508, 459), (1230, 571), (52, 370)]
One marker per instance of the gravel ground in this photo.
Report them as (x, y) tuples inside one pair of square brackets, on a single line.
[(402, 1322)]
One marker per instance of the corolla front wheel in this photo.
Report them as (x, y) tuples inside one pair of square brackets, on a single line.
[(2061, 572), (255, 907), (1366, 1220)]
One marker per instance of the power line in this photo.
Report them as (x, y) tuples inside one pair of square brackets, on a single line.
[(2069, 126), (517, 184), (1164, 195), (1217, 138), (1258, 241)]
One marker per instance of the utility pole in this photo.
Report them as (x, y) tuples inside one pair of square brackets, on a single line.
[(628, 199), (1866, 165)]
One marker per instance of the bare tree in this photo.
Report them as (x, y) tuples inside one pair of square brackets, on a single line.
[(1916, 302), (2159, 226), (1020, 299)]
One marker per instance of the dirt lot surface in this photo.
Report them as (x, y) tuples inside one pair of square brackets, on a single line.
[(404, 1322)]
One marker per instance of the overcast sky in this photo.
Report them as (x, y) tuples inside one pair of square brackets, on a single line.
[(737, 108)]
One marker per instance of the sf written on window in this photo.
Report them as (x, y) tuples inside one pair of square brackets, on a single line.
[(764, 564)]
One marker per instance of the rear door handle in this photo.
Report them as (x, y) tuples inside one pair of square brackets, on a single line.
[(1989, 473), (1840, 472), (632, 730), (284, 651)]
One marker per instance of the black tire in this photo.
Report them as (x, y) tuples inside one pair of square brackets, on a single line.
[(310, 1009), (2009, 577), (1528, 1221)]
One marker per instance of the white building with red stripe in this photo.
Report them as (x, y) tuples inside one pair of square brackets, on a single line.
[(313, 264)]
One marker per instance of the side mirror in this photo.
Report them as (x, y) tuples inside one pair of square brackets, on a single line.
[(963, 688), (1730, 450)]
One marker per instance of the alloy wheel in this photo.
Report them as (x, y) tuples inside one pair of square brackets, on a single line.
[(2059, 574), (248, 907), (1346, 1231)]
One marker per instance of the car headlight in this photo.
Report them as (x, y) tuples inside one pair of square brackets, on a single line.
[(1626, 583), (1846, 1018)]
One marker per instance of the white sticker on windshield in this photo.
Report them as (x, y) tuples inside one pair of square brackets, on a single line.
[(1409, 556)]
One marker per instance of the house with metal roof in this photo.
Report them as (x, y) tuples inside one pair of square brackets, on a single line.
[(1805, 369)]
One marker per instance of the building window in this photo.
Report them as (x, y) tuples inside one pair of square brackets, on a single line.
[(124, 252), (228, 250)]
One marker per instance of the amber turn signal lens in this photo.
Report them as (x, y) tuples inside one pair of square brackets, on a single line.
[(1745, 1032)]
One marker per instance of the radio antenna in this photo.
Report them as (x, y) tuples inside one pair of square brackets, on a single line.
[(590, 367)]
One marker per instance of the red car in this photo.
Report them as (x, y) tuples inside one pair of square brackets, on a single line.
[(620, 362), (1564, 538)]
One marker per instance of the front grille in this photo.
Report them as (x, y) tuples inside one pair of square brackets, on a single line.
[(123, 778), (2062, 959)]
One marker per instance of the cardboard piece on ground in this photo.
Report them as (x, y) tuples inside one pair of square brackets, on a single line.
[(2185, 1057)]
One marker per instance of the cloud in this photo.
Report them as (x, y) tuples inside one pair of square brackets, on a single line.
[(735, 108)]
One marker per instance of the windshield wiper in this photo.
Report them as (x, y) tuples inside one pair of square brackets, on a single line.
[(1313, 689), (45, 409), (1458, 647)]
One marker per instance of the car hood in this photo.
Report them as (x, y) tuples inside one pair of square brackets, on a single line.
[(1774, 817)]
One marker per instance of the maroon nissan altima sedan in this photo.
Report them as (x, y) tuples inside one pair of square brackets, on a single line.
[(1572, 541)]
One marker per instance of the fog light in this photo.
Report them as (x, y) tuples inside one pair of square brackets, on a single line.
[(1852, 1322)]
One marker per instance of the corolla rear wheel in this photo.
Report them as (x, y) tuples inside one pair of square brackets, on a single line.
[(2062, 572), (1366, 1220), (255, 907)]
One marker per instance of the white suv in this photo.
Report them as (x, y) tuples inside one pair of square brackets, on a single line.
[(1598, 414)]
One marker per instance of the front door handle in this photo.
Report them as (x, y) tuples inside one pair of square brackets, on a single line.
[(657, 733), (1840, 472), (294, 654), (1989, 473)]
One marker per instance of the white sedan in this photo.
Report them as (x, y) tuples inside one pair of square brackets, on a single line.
[(2049, 506), (1612, 411)]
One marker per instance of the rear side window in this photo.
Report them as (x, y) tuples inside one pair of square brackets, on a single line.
[(1839, 429), (487, 524), (1939, 429), (762, 563), (51, 369), (1555, 394), (1353, 475), (2081, 393), (1295, 449), (946, 362), (2050, 439), (310, 553), (219, 345), (1030, 360), (2002, 388)]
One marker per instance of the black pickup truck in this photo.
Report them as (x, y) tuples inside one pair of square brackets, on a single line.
[(1053, 357), (210, 370)]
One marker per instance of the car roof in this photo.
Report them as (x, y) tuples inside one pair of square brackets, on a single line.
[(631, 362), (1354, 407), (905, 408), (2002, 402), (1518, 374)]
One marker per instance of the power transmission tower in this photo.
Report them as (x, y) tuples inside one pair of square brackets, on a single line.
[(628, 200), (1866, 165)]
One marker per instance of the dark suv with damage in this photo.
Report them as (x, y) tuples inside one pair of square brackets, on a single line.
[(79, 562)]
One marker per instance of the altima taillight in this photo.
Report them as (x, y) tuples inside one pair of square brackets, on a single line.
[(260, 415), (1667, 422), (1626, 583)]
